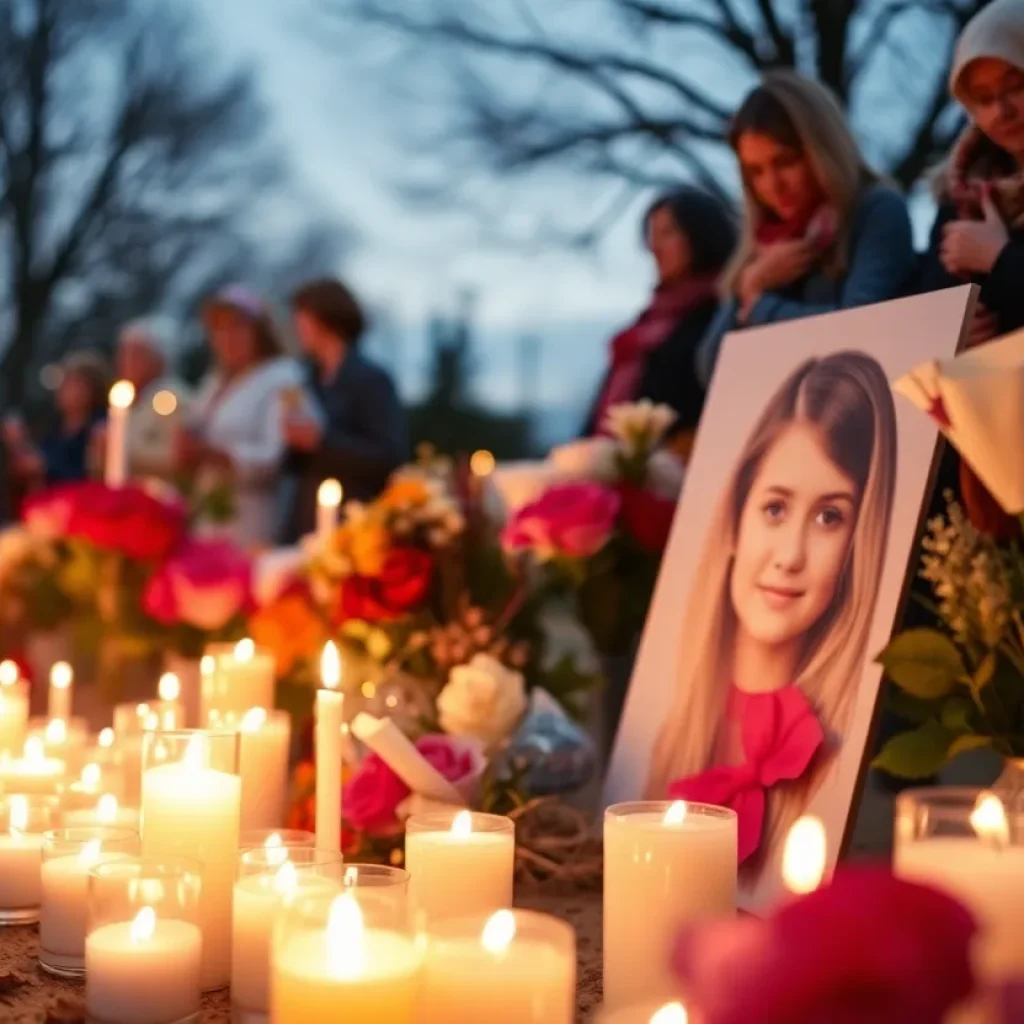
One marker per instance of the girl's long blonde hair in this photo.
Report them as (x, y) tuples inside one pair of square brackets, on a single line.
[(804, 115), (846, 397)]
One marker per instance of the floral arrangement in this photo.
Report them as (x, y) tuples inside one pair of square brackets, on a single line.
[(600, 531)]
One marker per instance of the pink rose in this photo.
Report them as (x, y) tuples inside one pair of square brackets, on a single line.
[(570, 520), (205, 584)]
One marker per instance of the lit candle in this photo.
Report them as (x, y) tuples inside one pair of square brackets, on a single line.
[(234, 678), (115, 471), (94, 780), (665, 866), (107, 811), (61, 678), (805, 855), (66, 739), (329, 708), (191, 810), (33, 772), (657, 1013), (144, 971), (328, 501), (460, 864), (21, 859), (344, 971), (516, 967), (265, 740), (13, 708)]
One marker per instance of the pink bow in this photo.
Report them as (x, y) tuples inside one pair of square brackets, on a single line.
[(780, 735)]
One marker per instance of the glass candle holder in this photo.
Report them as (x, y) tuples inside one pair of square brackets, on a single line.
[(461, 863), (383, 889), (13, 713), (33, 772), (23, 820), (648, 1013), (512, 966), (268, 879), (258, 838), (143, 950), (665, 865), (134, 719), (333, 959), (235, 677), (191, 802), (69, 854), (64, 739), (96, 812)]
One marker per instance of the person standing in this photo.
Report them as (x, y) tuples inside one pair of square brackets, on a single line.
[(364, 436)]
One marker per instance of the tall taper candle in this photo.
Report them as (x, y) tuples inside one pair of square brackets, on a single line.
[(59, 701), (329, 706), (328, 501), (115, 470)]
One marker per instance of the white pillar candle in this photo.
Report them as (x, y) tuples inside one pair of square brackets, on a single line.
[(144, 971), (115, 470), (329, 723), (328, 501), (13, 709), (234, 678), (190, 810), (107, 811), (59, 700), (343, 972), (652, 1013), (21, 857), (512, 968), (460, 864), (66, 739), (33, 772), (665, 866)]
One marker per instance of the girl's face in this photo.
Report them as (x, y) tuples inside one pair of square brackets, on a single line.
[(793, 539), (780, 177), (996, 93), (669, 245), (232, 339)]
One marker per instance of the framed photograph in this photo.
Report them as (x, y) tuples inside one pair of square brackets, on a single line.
[(793, 545)]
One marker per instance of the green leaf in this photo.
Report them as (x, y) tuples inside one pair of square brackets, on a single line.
[(958, 714), (916, 754), (964, 743), (899, 703), (923, 662)]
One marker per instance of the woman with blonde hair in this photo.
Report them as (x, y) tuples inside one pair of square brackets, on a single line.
[(775, 635), (821, 231)]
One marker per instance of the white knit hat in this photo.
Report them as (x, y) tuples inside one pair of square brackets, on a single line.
[(995, 31)]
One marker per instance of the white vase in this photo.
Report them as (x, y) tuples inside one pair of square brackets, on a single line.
[(187, 671)]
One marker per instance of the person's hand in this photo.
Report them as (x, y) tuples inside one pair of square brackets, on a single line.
[(973, 246), (984, 326), (302, 433), (772, 268)]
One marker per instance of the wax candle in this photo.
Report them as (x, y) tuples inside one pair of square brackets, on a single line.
[(23, 819), (191, 809), (13, 709), (94, 780), (328, 500), (33, 772), (65, 739), (512, 968), (460, 864), (651, 1013), (665, 866), (107, 810), (115, 470), (329, 723), (144, 971), (234, 678), (344, 971), (805, 855), (59, 703)]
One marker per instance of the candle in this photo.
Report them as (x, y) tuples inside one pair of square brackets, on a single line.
[(805, 855), (329, 722), (191, 809), (665, 866), (515, 967), (234, 678), (95, 780), (65, 739), (33, 772), (460, 863), (23, 819), (656, 1013), (13, 708), (344, 971), (107, 810), (328, 500), (61, 678), (144, 971), (68, 857), (115, 470), (169, 688)]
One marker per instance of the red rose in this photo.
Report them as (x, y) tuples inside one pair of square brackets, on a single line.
[(646, 517), (401, 586), (371, 797)]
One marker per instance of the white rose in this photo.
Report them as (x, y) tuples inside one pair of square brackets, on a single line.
[(589, 459), (665, 472), (639, 425), (483, 700)]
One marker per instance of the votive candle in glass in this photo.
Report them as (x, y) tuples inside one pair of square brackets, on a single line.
[(666, 865), (144, 947), (66, 739), (513, 967), (33, 772), (235, 677), (68, 856), (191, 802), (104, 811), (254, 838), (23, 820), (460, 863)]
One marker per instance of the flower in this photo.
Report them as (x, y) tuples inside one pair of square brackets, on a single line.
[(592, 458), (639, 426), (47, 515), (289, 627), (405, 491), (204, 584), (401, 586), (665, 473), (572, 520), (646, 517), (867, 947), (483, 700), (361, 546)]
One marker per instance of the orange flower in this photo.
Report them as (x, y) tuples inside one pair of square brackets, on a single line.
[(364, 544), (290, 628), (405, 492)]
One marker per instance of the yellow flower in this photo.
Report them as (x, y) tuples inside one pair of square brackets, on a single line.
[(290, 628), (405, 492), (378, 645), (364, 545)]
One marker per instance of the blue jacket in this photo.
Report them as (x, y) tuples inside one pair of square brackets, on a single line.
[(881, 266)]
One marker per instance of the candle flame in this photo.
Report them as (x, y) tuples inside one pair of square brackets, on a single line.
[(670, 1013), (329, 494), (499, 931), (142, 711), (988, 819), (676, 813), (164, 403), (90, 853), (346, 948), (56, 731), (351, 877), (170, 720), (481, 463), (805, 855), (253, 720), (106, 809), (275, 850), (330, 666), (122, 394), (207, 664), (462, 824), (151, 723), (169, 687), (286, 878), (91, 775), (18, 814), (106, 739), (34, 749), (245, 650), (9, 673), (144, 925), (195, 753), (61, 675)]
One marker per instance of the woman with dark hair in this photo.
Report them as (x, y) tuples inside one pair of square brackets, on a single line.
[(691, 236)]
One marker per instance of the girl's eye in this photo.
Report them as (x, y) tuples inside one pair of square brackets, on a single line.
[(830, 517), (773, 510)]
